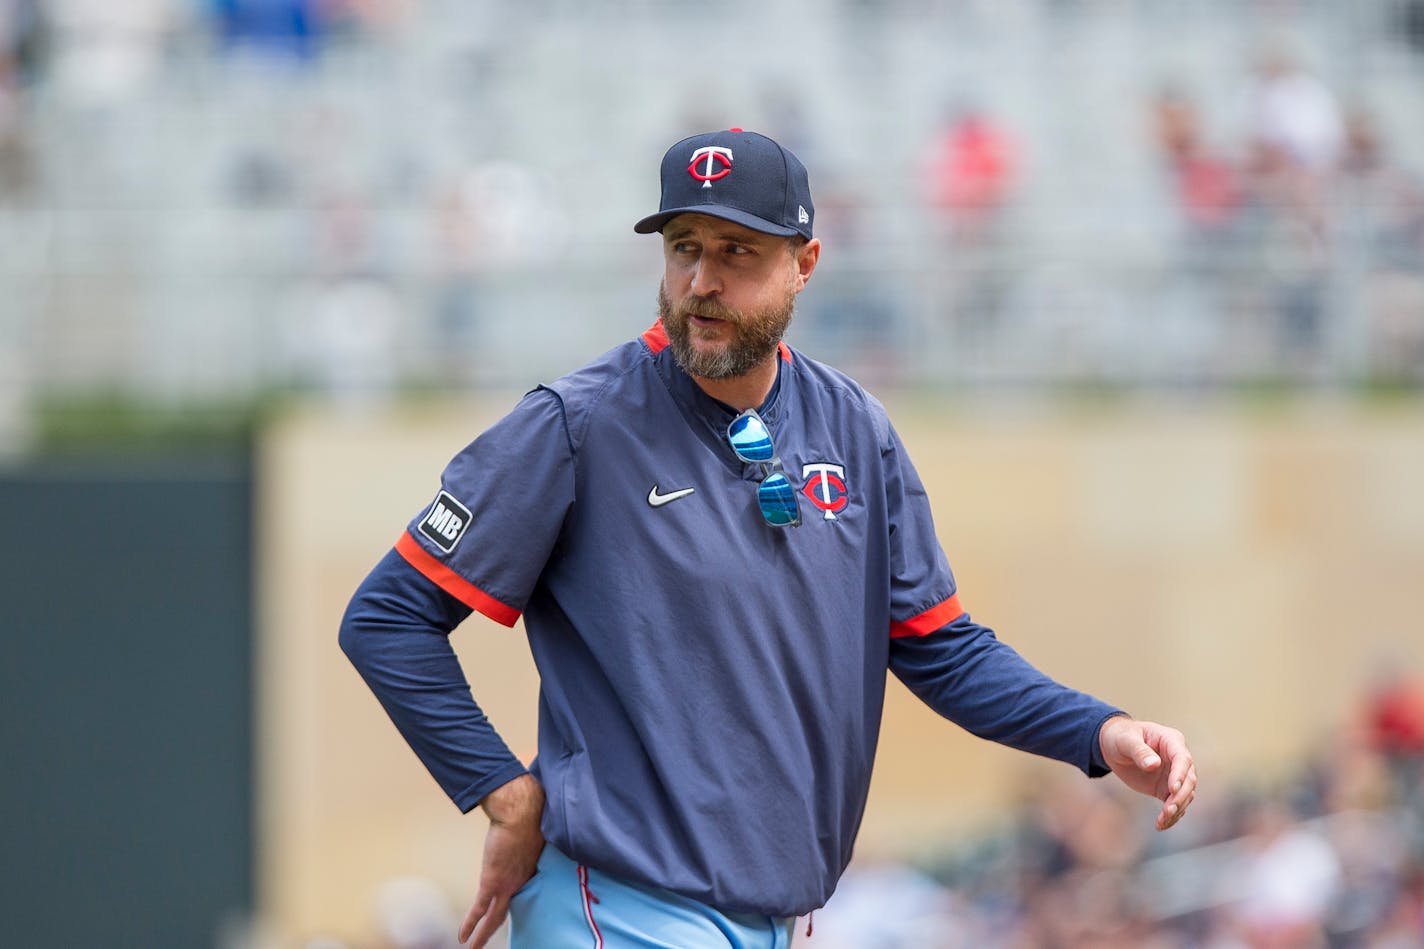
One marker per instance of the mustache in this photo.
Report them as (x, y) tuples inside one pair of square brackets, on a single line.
[(709, 309)]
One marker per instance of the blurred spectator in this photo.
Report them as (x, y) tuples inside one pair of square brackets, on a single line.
[(969, 174), (1207, 190), (1205, 270), (1394, 713), (1296, 121), (341, 323), (1380, 210), (460, 259), (107, 53), (341, 338), (1409, 17), (787, 122), (345, 238), (17, 172), (1363, 153), (1296, 140), (415, 914), (852, 313), (24, 39), (280, 30), (1396, 291), (1288, 882), (886, 905), (258, 179), (521, 213)]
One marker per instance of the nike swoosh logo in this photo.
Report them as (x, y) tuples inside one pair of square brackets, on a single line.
[(658, 500)]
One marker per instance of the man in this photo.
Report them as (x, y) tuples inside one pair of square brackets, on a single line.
[(718, 546)]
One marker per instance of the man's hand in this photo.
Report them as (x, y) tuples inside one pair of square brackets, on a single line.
[(512, 849), (1152, 759)]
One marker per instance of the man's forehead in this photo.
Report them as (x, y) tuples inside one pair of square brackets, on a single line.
[(705, 225)]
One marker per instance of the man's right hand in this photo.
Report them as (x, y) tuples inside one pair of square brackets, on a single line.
[(512, 849)]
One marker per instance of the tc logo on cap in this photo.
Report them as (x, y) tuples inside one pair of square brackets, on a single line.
[(715, 155)]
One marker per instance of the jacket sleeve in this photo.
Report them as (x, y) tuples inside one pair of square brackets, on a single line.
[(965, 673), (396, 632)]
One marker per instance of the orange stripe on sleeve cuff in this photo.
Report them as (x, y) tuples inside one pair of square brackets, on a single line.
[(928, 621), (452, 583)]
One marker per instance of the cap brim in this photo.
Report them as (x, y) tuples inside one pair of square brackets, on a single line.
[(656, 222)]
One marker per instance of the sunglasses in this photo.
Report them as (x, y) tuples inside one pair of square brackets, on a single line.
[(751, 440)]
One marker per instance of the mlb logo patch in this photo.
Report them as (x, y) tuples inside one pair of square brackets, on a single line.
[(444, 524)]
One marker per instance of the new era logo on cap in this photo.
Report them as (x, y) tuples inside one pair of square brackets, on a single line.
[(736, 175)]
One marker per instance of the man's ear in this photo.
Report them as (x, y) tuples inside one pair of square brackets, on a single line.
[(807, 255)]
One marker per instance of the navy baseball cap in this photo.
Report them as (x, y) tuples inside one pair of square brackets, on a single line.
[(739, 176)]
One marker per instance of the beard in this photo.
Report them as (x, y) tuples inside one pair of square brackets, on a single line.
[(757, 334)]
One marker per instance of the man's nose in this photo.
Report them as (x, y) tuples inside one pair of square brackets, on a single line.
[(706, 279)]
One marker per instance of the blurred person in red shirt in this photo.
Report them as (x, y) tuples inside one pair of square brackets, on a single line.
[(1394, 716), (1208, 188), (970, 174)]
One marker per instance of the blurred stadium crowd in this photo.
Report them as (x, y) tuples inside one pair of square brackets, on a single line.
[(1332, 856), (213, 199)]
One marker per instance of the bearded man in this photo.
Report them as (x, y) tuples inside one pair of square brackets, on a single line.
[(718, 546)]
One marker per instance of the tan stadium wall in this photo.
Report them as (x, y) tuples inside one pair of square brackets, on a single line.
[(1240, 574)]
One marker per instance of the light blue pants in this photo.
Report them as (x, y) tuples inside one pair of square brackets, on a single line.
[(569, 906)]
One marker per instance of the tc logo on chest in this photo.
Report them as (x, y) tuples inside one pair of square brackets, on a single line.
[(825, 487)]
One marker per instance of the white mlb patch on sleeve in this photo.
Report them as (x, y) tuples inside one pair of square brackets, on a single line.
[(444, 524)]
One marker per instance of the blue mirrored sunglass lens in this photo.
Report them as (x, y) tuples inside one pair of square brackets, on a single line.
[(750, 439), (777, 500)]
